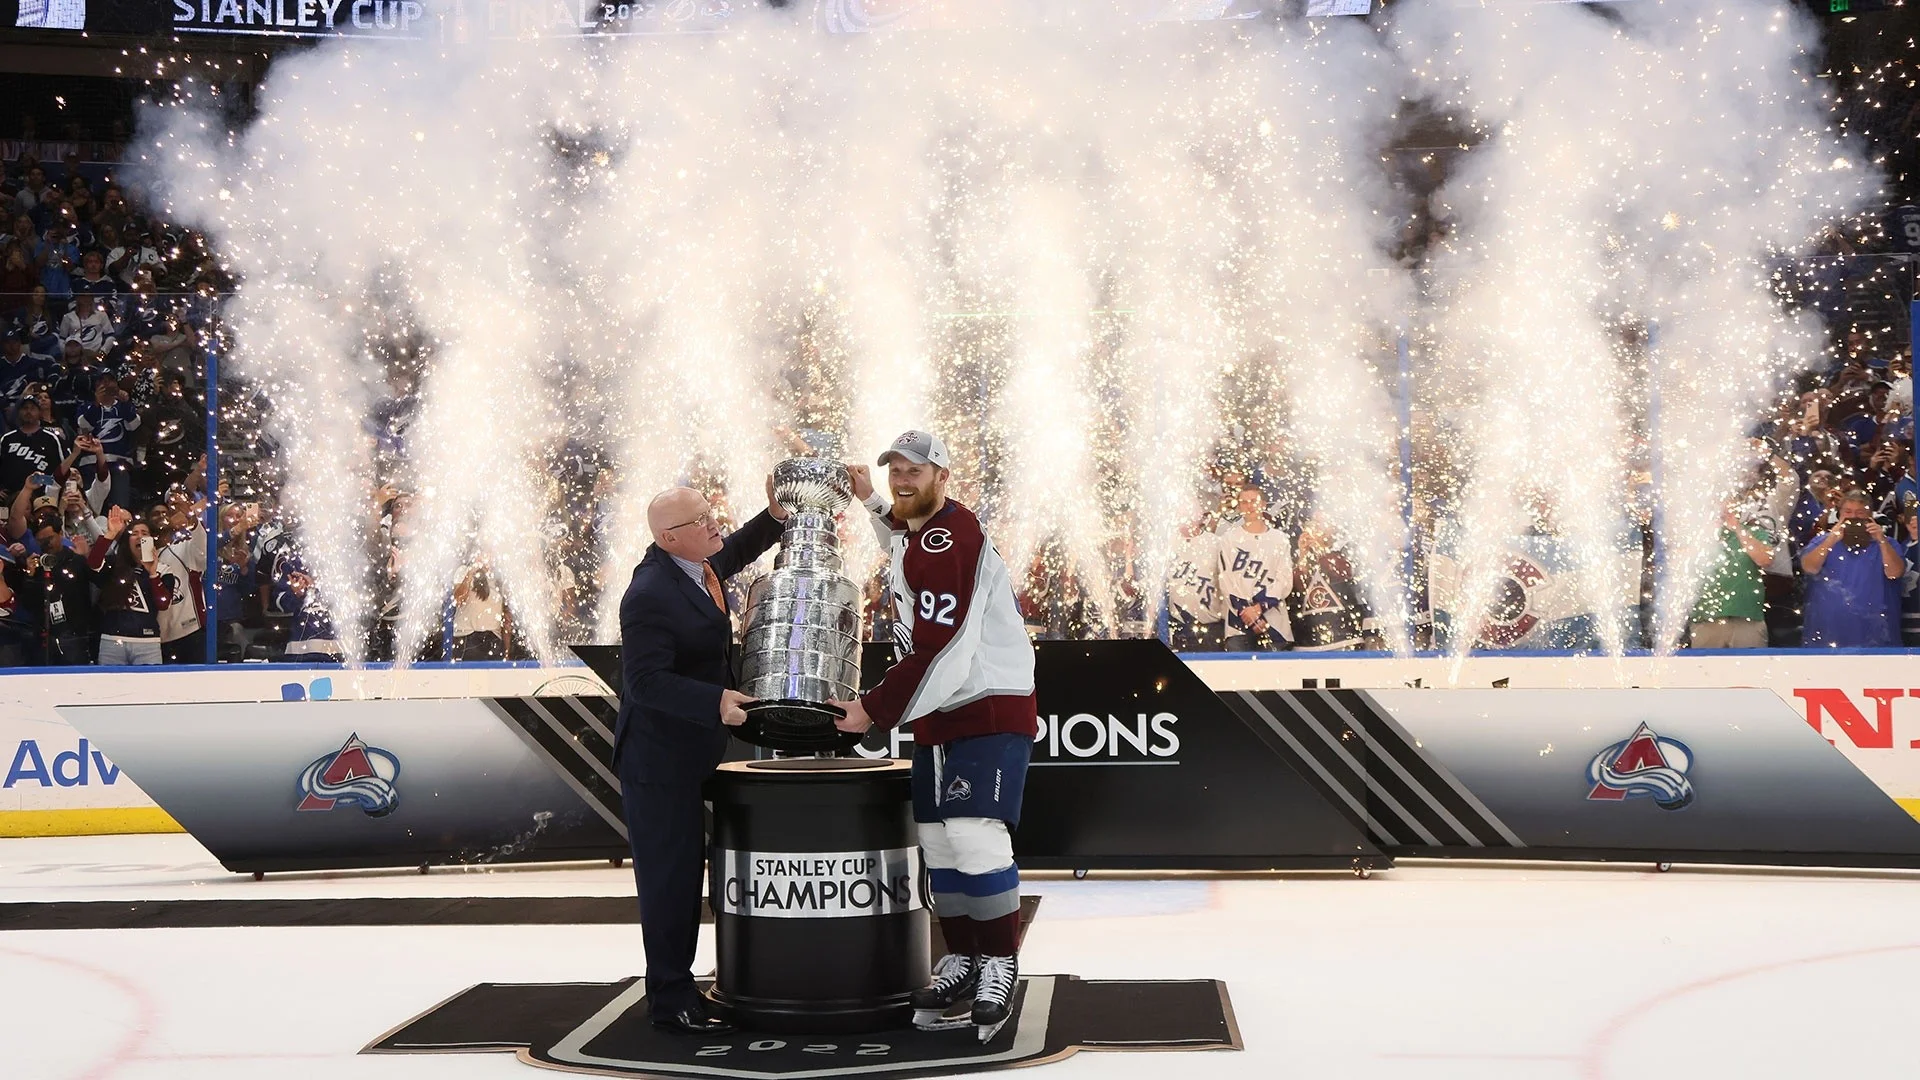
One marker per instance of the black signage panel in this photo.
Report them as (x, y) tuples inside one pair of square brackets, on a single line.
[(1138, 764)]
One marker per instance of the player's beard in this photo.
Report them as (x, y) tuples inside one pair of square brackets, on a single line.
[(917, 505)]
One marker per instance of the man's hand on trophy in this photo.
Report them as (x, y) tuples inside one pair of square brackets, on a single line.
[(862, 476), (773, 505), (856, 721), (731, 713)]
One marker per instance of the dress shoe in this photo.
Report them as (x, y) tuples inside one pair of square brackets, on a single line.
[(691, 1020)]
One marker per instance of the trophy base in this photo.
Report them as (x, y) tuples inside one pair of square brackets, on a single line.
[(795, 727)]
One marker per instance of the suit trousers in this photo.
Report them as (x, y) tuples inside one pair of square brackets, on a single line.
[(666, 828)]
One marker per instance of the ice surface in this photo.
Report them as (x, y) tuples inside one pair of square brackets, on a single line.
[(1427, 970)]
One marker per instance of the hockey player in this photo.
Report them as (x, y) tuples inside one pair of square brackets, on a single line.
[(966, 682)]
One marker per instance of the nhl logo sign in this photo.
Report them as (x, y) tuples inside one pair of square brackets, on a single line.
[(1644, 765), (355, 775)]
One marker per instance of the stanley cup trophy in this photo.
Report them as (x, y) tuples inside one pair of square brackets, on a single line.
[(802, 646)]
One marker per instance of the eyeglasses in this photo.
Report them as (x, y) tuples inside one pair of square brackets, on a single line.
[(701, 521)]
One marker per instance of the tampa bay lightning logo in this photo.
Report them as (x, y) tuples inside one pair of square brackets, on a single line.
[(1644, 765), (355, 775), (934, 541)]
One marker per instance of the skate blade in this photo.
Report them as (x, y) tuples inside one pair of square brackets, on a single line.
[(934, 1020), (986, 1032)]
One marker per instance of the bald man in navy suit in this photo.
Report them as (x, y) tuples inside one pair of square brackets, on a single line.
[(677, 703)]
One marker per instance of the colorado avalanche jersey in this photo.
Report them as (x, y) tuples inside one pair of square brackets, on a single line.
[(968, 667)]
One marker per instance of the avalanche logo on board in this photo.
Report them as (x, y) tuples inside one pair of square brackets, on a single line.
[(355, 775), (1643, 766)]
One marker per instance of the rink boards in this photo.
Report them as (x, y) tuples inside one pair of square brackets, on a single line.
[(56, 781)]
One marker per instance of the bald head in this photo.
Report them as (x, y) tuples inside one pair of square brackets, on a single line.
[(682, 524)]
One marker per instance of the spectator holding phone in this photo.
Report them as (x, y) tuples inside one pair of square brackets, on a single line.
[(479, 614), (125, 561), (1852, 601), (66, 587), (1731, 611), (110, 419), (19, 608), (312, 638), (235, 576)]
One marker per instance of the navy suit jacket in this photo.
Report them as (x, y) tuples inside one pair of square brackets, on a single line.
[(676, 655)]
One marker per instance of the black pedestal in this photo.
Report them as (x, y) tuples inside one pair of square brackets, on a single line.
[(819, 916)]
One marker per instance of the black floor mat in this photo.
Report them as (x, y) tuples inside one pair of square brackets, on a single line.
[(603, 1028)]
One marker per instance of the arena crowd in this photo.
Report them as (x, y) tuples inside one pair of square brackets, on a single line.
[(109, 313)]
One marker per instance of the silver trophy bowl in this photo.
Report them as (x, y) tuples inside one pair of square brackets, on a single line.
[(802, 646)]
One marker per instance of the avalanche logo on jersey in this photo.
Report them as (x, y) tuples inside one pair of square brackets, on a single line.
[(1645, 765), (1318, 596), (355, 775), (934, 541), (1512, 614)]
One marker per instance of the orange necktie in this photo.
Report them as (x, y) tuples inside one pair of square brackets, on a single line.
[(713, 587)]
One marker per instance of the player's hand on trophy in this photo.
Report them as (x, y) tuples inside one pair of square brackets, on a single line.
[(856, 721), (862, 476), (731, 713), (773, 505)]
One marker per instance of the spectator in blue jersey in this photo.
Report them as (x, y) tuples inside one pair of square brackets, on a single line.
[(124, 563), (57, 253), (1859, 429), (111, 418), (1905, 496), (234, 585), (1885, 466), (1851, 571), (1906, 518), (92, 280), (73, 383), (20, 365), (1815, 513), (311, 639), (147, 320), (39, 321)]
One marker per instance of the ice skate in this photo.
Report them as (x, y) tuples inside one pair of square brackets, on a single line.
[(954, 979), (993, 998)]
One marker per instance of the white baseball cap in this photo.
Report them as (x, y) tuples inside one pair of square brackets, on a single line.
[(919, 447)]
